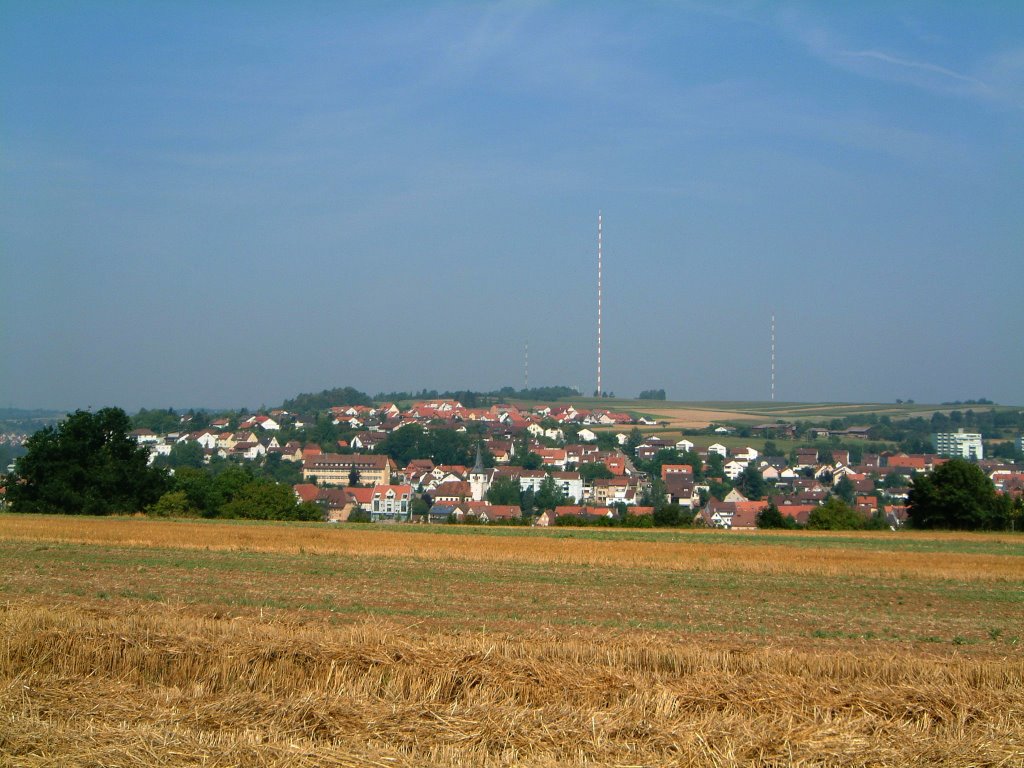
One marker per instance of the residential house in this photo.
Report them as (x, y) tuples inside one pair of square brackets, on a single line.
[(672, 470), (452, 492), (390, 502), (263, 422), (806, 457), (144, 436), (734, 468), (731, 515), (747, 454)]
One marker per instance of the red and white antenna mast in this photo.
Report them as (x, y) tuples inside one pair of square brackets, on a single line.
[(773, 356), (600, 392)]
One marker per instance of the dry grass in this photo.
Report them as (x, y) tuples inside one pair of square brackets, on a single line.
[(127, 642), (92, 688), (710, 553), (696, 418)]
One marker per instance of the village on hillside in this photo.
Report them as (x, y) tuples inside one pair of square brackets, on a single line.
[(556, 464)]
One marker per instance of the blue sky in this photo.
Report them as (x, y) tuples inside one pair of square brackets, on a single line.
[(227, 205)]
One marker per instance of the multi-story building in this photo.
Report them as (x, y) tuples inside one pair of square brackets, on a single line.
[(336, 468), (391, 502), (959, 444)]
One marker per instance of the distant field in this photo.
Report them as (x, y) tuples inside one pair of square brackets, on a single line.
[(697, 414), (139, 642)]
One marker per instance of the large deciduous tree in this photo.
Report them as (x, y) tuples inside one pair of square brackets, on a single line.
[(956, 495), (86, 465), (835, 515)]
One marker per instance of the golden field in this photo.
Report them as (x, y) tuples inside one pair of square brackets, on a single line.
[(701, 550), (138, 642)]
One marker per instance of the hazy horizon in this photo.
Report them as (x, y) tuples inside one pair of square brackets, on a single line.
[(238, 203)]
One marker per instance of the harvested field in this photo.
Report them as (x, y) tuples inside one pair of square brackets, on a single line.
[(696, 418), (133, 642), (697, 415), (706, 550)]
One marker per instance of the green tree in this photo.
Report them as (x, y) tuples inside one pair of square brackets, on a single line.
[(595, 471), (360, 515), (267, 500), (504, 490), (229, 478), (530, 460), (549, 494), (404, 444), (158, 420), (198, 487), (667, 515), (446, 446), (693, 459), (87, 465), (418, 507), (172, 504), (844, 489), (185, 454), (771, 517), (956, 495), (716, 464), (751, 484), (651, 394), (306, 403), (835, 515), (635, 438), (655, 494), (281, 471)]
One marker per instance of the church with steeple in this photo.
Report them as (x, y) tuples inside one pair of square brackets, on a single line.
[(479, 478)]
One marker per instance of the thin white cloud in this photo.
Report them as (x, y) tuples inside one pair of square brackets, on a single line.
[(924, 66), (824, 43)]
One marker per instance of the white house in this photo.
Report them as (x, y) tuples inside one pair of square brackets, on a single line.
[(207, 439), (571, 484), (684, 445), (144, 436), (589, 436), (159, 449), (734, 468), (390, 502), (718, 448)]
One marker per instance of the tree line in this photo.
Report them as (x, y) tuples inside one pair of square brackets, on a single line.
[(88, 464)]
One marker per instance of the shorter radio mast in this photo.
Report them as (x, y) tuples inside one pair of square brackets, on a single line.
[(526, 366)]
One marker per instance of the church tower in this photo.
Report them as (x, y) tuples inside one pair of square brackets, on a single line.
[(479, 483)]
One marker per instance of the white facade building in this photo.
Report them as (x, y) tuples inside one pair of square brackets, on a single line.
[(959, 444)]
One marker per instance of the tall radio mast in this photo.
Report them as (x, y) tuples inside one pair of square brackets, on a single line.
[(600, 391), (773, 356)]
